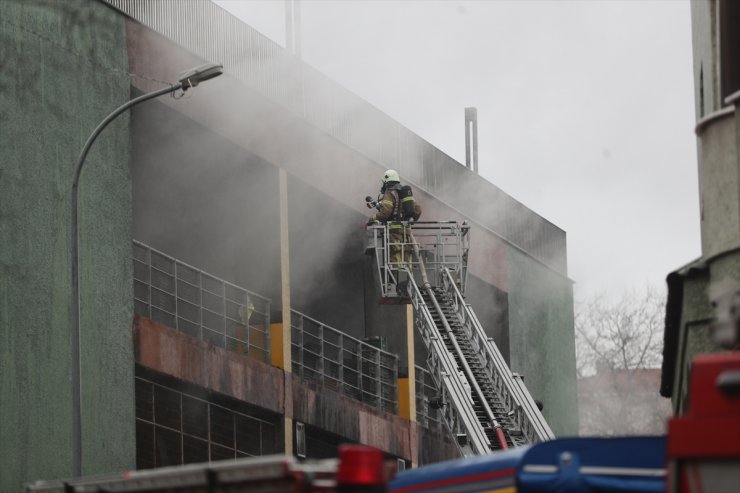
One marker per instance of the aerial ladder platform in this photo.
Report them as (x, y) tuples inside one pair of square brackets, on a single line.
[(483, 404)]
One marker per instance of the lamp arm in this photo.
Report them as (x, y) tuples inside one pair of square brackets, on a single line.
[(101, 126)]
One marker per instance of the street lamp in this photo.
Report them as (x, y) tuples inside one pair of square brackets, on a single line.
[(188, 79)]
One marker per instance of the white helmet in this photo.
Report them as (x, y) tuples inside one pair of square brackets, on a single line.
[(391, 175)]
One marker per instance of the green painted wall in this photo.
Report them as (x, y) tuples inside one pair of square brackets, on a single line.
[(63, 69), (542, 341)]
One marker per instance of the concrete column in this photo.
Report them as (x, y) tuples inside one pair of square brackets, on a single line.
[(407, 385), (411, 386), (285, 269), (285, 364)]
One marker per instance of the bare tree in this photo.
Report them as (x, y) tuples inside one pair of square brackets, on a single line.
[(625, 334), (619, 348)]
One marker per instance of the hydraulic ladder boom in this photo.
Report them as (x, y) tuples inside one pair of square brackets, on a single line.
[(482, 403)]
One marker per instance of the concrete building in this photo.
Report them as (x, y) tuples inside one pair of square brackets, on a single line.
[(716, 274), (219, 232)]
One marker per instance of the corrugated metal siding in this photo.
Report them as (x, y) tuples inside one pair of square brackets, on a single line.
[(213, 34)]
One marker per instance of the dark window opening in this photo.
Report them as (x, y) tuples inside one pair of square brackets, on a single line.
[(322, 444), (729, 51), (702, 111), (177, 423)]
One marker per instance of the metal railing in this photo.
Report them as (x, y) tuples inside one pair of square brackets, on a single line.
[(442, 244), (196, 303), (200, 305), (427, 398), (342, 363)]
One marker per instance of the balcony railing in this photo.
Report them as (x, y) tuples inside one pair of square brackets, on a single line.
[(340, 362), (200, 305)]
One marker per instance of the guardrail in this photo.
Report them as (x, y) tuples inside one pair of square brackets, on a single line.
[(442, 244), (340, 362), (200, 305)]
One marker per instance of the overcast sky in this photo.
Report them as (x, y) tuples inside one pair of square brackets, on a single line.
[(585, 109)]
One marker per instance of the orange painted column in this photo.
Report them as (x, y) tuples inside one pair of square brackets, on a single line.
[(407, 388), (284, 354)]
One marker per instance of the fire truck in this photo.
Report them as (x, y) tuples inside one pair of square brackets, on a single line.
[(703, 449)]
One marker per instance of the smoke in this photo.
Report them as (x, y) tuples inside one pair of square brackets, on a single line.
[(538, 72), (203, 200), (206, 188)]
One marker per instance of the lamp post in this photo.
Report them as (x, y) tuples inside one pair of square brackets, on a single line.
[(188, 79)]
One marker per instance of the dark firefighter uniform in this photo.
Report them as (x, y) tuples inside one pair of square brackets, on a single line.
[(399, 239)]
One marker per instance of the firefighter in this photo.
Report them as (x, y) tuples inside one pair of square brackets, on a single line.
[(397, 206)]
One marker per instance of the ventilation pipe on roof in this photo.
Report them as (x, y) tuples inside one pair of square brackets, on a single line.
[(471, 139), (293, 27)]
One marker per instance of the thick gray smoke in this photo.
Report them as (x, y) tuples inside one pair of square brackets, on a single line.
[(206, 189)]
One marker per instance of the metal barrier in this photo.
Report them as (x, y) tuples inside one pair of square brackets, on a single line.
[(340, 362), (442, 244), (200, 305), (427, 396), (180, 296)]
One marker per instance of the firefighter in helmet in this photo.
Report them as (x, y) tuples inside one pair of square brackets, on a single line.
[(397, 206)]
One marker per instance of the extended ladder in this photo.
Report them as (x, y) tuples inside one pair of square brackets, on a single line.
[(482, 403)]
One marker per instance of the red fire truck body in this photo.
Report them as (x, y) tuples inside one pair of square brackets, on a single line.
[(704, 445), (359, 469)]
